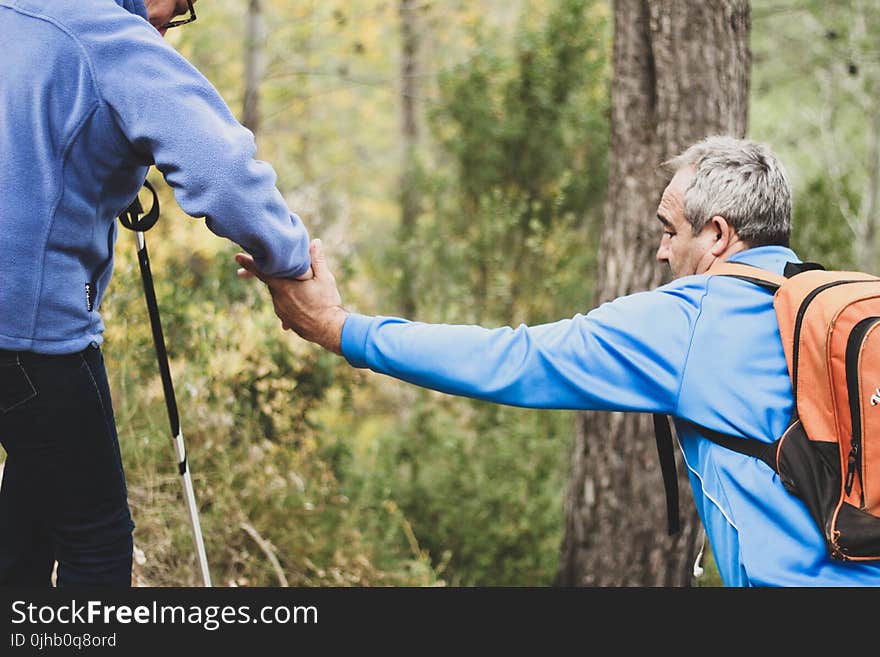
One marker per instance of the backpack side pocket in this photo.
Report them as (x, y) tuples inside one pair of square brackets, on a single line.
[(810, 469)]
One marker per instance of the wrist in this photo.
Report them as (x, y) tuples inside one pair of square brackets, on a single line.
[(331, 329)]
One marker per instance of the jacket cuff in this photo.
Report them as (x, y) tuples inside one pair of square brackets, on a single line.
[(354, 339)]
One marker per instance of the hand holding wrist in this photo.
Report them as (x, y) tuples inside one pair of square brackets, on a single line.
[(313, 307)]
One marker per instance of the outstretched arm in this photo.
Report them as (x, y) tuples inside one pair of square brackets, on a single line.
[(626, 355)]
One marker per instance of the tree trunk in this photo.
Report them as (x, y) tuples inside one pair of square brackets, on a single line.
[(409, 201), (253, 65), (681, 70)]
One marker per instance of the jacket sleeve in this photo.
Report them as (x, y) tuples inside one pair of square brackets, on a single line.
[(173, 117), (626, 355)]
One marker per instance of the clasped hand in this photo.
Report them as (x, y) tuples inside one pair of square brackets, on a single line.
[(311, 307)]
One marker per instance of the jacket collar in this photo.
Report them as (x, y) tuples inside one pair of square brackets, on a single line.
[(771, 258), (136, 7)]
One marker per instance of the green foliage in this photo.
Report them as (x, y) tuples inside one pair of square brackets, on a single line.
[(820, 232), (266, 468), (535, 125), (815, 84), (527, 136), (505, 236), (481, 485)]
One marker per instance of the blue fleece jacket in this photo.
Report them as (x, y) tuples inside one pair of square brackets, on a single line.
[(91, 96)]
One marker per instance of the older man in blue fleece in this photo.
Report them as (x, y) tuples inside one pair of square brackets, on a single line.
[(91, 96), (658, 351)]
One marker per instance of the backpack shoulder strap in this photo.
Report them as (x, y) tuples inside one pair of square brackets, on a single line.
[(666, 453), (662, 430), (750, 273)]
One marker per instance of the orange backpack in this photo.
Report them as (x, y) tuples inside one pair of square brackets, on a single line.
[(829, 456)]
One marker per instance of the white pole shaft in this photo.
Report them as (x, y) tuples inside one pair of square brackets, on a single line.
[(193, 511)]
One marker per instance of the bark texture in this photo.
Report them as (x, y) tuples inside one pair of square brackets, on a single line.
[(681, 73)]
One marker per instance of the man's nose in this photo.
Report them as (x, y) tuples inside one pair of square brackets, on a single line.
[(662, 252)]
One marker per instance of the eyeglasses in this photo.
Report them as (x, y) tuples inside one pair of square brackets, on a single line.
[(183, 21)]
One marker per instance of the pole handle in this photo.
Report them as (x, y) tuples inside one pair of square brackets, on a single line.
[(134, 218)]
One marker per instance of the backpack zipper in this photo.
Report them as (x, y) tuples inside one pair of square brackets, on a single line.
[(853, 348)]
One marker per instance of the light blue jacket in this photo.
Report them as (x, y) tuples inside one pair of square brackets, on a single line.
[(703, 349), (90, 96)]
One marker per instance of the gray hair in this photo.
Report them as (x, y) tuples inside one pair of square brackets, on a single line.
[(743, 182)]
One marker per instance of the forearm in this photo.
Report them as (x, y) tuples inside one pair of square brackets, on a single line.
[(170, 114), (559, 365), (213, 172)]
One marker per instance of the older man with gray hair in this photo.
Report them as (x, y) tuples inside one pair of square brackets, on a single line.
[(661, 351)]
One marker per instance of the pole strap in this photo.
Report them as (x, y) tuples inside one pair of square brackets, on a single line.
[(134, 217)]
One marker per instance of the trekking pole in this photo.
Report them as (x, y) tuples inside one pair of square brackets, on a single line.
[(134, 219)]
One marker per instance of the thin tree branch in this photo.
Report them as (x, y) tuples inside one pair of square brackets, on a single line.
[(268, 549)]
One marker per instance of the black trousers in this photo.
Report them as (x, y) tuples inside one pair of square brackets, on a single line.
[(63, 496)]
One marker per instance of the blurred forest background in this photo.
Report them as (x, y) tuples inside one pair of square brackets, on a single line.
[(453, 158)]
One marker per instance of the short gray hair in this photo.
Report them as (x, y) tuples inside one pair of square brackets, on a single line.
[(743, 182)]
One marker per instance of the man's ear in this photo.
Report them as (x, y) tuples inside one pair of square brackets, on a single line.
[(723, 235)]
